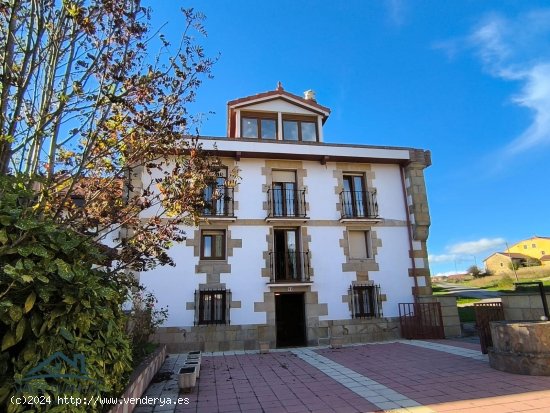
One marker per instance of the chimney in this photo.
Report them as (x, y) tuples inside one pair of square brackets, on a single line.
[(309, 95)]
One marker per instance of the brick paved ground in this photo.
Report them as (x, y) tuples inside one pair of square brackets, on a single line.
[(405, 376)]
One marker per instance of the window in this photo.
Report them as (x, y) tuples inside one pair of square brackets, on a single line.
[(365, 301), (285, 198), (213, 245), (525, 247), (287, 258), (533, 245), (300, 129), (264, 127), (359, 244), (213, 306), (354, 197), (218, 198)]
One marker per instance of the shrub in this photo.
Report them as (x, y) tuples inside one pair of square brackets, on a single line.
[(505, 283), (143, 321), (514, 265), (54, 298), (474, 271)]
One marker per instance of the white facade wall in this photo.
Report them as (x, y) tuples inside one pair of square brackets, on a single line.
[(329, 281), (249, 195), (320, 183), (394, 263), (175, 286), (280, 105), (389, 191), (245, 280)]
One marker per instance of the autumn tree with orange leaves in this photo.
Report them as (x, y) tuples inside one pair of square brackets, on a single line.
[(97, 125)]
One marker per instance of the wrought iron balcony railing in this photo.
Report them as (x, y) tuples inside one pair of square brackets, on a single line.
[(359, 204), (218, 202), (289, 266), (286, 202)]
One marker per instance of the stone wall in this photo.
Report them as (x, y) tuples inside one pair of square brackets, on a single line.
[(248, 337), (449, 313), (139, 380), (521, 307)]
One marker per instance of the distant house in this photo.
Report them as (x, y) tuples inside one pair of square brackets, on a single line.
[(522, 253), (534, 247), (501, 261)]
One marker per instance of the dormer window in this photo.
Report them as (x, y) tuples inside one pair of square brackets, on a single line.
[(262, 126), (299, 129), (277, 115)]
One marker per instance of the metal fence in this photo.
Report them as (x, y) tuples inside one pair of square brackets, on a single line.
[(421, 320)]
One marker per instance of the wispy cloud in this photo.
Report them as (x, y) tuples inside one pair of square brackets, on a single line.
[(396, 11), (476, 247), (463, 251), (447, 273), (516, 49)]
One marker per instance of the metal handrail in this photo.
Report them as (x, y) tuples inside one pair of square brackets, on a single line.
[(289, 266), (219, 202), (359, 204), (286, 202)]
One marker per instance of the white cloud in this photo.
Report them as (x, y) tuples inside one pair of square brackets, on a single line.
[(465, 251), (517, 50), (439, 258), (476, 247), (447, 273), (396, 11)]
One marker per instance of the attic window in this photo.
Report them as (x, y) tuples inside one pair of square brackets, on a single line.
[(258, 126), (300, 129)]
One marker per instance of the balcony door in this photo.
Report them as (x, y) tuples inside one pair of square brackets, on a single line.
[(354, 196), (287, 257), (284, 194), (215, 196)]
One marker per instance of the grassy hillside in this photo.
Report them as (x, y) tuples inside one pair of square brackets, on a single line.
[(506, 280)]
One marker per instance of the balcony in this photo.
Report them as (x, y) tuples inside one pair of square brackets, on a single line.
[(359, 205), (286, 203), (289, 267), (218, 203)]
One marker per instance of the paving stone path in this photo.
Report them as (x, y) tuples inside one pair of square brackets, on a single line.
[(399, 376)]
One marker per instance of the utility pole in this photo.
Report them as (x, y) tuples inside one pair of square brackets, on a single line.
[(512, 261)]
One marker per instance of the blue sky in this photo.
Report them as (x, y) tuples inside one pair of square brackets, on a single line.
[(468, 80)]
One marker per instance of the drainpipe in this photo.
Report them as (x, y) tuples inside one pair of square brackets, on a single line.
[(409, 231)]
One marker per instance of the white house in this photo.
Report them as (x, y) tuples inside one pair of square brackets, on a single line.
[(317, 240)]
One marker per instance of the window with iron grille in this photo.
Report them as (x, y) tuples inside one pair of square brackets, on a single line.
[(213, 306), (365, 301)]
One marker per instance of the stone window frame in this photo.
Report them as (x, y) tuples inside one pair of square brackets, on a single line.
[(367, 233), (206, 232), (345, 168), (227, 304), (375, 300), (284, 165)]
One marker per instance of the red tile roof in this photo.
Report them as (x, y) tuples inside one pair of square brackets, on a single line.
[(281, 93)]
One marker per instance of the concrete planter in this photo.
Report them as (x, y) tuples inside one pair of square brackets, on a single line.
[(336, 342), (187, 378), (194, 355), (193, 363), (264, 347)]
